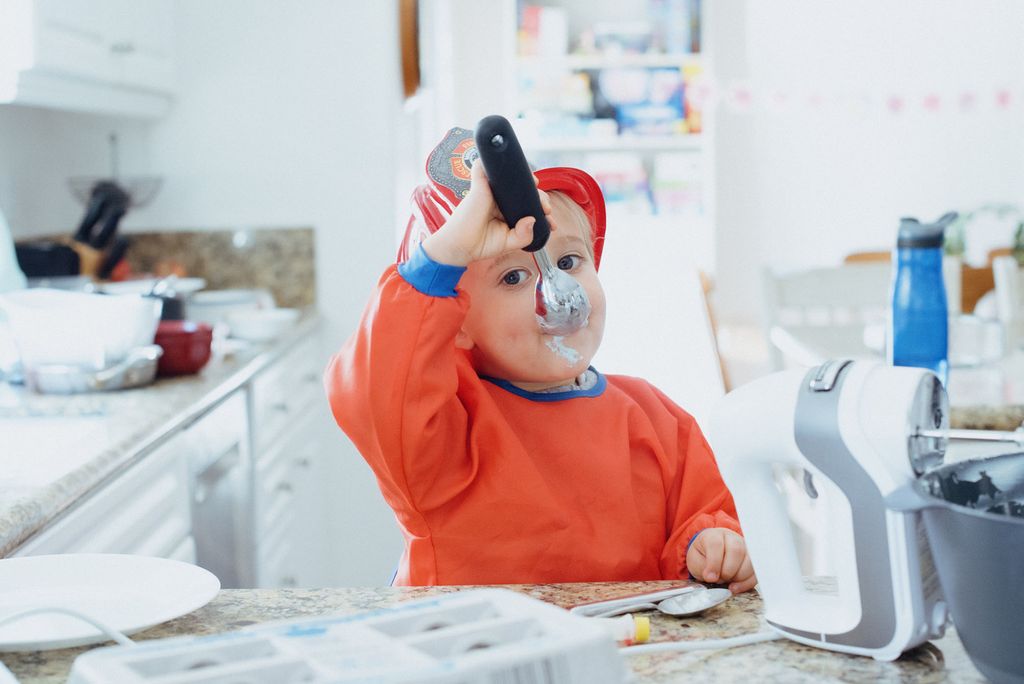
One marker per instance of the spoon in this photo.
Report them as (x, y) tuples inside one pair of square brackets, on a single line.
[(561, 303), (682, 605)]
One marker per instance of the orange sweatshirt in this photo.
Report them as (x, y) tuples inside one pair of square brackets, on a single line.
[(491, 484)]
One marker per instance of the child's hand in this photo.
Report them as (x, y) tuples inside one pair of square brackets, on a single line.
[(719, 555), (476, 229)]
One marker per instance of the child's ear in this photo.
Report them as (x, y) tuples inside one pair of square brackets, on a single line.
[(463, 340)]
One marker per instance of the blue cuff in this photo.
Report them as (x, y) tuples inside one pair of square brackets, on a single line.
[(430, 277), (688, 545)]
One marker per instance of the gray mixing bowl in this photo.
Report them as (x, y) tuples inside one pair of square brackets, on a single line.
[(974, 516)]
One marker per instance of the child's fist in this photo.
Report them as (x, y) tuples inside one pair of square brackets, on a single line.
[(719, 555), (477, 230)]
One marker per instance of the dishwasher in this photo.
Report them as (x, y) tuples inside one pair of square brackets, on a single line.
[(220, 473)]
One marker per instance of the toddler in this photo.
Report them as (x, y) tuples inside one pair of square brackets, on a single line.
[(506, 457)]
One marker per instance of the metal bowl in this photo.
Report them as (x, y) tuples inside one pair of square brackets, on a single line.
[(136, 369)]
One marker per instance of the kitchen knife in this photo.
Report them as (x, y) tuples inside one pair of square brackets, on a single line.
[(98, 200)]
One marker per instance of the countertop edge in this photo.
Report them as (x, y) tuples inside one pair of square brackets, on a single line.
[(38, 517)]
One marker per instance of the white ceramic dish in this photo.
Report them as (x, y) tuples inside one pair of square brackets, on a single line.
[(213, 306), (261, 325), (79, 329), (127, 593), (180, 286)]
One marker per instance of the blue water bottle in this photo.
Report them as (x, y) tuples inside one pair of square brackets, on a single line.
[(919, 325)]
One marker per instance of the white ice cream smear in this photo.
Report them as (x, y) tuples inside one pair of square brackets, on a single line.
[(556, 344)]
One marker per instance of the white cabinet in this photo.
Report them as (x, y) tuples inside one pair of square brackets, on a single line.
[(144, 511), (291, 511), (105, 56), (220, 470), (244, 490)]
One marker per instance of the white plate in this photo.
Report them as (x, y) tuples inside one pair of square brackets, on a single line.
[(180, 286), (128, 593)]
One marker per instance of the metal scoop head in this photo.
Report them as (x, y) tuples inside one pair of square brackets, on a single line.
[(562, 304)]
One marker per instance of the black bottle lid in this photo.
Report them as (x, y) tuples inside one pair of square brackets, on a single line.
[(913, 233)]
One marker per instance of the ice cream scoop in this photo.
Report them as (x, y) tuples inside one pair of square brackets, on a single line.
[(561, 303)]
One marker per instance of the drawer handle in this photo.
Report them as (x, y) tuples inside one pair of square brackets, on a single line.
[(311, 378), (302, 463), (284, 487), (289, 581), (280, 406)]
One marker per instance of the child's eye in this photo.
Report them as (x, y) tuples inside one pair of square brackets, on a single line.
[(570, 262), (515, 277)]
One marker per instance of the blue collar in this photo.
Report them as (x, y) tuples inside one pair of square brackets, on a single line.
[(594, 391)]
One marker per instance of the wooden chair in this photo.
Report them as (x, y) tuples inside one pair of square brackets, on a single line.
[(707, 284), (1009, 287), (860, 257), (972, 284), (831, 305)]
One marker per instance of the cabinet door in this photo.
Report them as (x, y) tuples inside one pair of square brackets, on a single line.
[(221, 511), (141, 36), (72, 38), (144, 511), (283, 392)]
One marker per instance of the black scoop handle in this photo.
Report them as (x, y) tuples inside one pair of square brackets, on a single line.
[(510, 177)]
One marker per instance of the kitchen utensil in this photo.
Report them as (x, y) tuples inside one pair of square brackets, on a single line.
[(261, 325), (613, 606), (186, 346), (128, 593), (107, 205), (90, 331), (1014, 436), (136, 369), (113, 257), (561, 303), (482, 635), (694, 603), (679, 604), (853, 430), (974, 516), (138, 190)]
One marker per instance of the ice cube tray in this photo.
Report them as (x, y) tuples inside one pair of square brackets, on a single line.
[(482, 635)]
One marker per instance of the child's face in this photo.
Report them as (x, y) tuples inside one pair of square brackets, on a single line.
[(501, 329)]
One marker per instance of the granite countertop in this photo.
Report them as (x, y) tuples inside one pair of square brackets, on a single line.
[(943, 660), (60, 448)]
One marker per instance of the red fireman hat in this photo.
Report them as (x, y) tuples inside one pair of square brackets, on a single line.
[(448, 171)]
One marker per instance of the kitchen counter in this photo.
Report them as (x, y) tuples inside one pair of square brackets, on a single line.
[(943, 660), (57, 449)]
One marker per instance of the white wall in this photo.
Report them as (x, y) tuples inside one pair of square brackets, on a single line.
[(801, 186), (40, 149), (288, 114)]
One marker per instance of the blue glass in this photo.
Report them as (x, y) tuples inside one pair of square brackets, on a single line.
[(920, 314)]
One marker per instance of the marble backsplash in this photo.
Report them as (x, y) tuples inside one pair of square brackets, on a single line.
[(278, 259)]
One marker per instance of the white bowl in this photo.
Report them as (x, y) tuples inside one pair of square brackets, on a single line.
[(261, 325), (180, 286), (213, 306), (92, 331)]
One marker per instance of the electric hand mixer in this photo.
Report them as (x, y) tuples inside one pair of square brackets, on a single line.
[(855, 430)]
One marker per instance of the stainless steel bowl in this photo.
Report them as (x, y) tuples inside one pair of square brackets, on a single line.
[(136, 369)]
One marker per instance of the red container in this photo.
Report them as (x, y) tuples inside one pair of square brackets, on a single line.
[(186, 346)]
